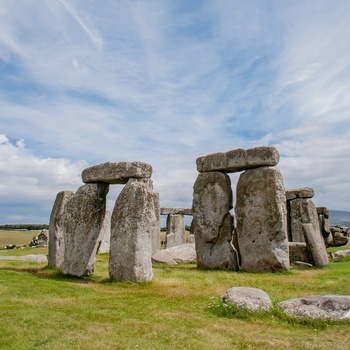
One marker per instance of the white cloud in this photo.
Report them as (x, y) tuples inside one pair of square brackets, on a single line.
[(31, 182)]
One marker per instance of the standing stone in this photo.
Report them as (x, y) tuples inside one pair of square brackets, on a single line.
[(133, 220), (83, 218), (305, 228), (212, 222), (105, 234), (155, 235), (56, 236), (175, 230), (261, 220)]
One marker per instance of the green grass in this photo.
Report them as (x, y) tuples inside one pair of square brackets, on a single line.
[(181, 308)]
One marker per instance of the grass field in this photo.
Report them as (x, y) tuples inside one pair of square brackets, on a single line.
[(181, 308), (16, 237)]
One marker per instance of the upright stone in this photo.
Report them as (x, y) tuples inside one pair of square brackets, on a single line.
[(261, 220), (175, 230), (305, 228), (238, 160), (56, 235), (105, 234), (83, 218), (133, 220), (116, 173), (212, 222), (155, 235)]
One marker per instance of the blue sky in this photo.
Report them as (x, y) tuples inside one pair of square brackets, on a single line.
[(83, 82)]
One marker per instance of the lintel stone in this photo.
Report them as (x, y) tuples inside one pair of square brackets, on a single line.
[(238, 159), (305, 192), (174, 211), (116, 173)]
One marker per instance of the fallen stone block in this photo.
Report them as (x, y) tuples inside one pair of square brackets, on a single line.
[(336, 307), (184, 253), (248, 299)]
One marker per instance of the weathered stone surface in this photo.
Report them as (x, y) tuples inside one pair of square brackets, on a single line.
[(298, 251), (238, 160), (116, 173), (305, 192), (105, 234), (316, 245), (38, 258), (133, 221), (191, 238), (323, 219), (56, 235), (340, 254), (323, 211), (83, 218), (180, 211), (248, 299), (261, 220), (155, 229), (184, 253), (212, 223), (339, 235), (305, 227), (175, 230), (335, 307)]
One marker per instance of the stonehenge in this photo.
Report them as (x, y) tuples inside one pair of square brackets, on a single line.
[(80, 226), (259, 241), (267, 229)]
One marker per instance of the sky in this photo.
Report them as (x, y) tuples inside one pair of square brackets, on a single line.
[(83, 82)]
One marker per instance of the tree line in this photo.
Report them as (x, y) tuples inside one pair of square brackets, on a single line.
[(28, 227)]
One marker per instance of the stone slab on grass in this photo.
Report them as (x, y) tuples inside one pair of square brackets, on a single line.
[(336, 307), (248, 299), (184, 253)]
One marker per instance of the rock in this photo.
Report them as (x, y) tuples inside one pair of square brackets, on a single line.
[(336, 307), (261, 220), (316, 245), (175, 230), (339, 235), (105, 234), (298, 251), (38, 258), (305, 227), (155, 229), (212, 222), (302, 263), (180, 211), (248, 299), (191, 238), (116, 173), (340, 254), (184, 253), (323, 211), (133, 220), (238, 160), (83, 217), (305, 192)]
